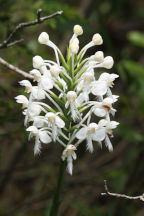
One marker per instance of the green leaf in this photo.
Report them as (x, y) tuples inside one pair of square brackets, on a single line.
[(64, 62), (79, 67)]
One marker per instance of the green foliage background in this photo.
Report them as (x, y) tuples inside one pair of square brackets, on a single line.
[(27, 183)]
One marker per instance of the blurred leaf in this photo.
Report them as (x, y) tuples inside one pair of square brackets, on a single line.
[(137, 38), (133, 68), (85, 210), (130, 133)]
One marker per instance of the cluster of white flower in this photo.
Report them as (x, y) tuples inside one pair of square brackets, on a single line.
[(73, 92)]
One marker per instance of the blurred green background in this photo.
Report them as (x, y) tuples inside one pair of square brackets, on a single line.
[(27, 183)]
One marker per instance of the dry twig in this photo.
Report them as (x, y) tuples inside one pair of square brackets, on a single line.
[(6, 43), (16, 69), (107, 192), (39, 20)]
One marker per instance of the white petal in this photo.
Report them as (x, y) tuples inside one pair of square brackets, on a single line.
[(63, 83), (38, 93), (108, 101), (90, 145), (25, 83), (37, 147), (104, 76), (34, 109), (32, 129), (80, 85), (59, 122), (66, 104), (69, 165), (99, 135), (80, 99), (99, 112), (99, 88), (102, 123), (46, 82), (114, 76), (54, 132), (44, 137), (115, 98), (108, 144), (22, 100), (74, 155), (38, 122), (82, 133), (113, 124), (74, 112)]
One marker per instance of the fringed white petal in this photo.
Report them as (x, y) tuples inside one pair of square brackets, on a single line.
[(108, 144), (69, 164), (90, 145), (37, 147)]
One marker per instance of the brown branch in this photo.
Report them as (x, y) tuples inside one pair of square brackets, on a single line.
[(20, 26), (16, 69), (107, 192)]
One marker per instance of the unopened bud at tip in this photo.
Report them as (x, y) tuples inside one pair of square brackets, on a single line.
[(78, 30), (37, 62), (108, 62), (97, 39), (99, 56), (43, 38)]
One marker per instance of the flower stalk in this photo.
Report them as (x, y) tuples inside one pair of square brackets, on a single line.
[(54, 209)]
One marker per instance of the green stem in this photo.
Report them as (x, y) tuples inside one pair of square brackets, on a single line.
[(56, 198)]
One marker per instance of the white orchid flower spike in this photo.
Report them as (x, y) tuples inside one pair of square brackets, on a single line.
[(70, 100)]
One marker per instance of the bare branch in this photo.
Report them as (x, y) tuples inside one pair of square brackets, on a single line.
[(15, 42), (16, 69), (20, 26), (108, 193)]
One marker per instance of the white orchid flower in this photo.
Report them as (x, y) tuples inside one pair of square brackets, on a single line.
[(106, 128), (72, 102), (22, 100), (99, 88), (69, 155), (90, 133), (40, 136), (36, 93), (55, 122), (85, 84), (102, 108)]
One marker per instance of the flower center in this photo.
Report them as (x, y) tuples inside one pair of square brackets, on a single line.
[(88, 78), (71, 96), (106, 107), (91, 130)]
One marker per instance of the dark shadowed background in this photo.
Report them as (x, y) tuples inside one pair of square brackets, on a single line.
[(27, 183)]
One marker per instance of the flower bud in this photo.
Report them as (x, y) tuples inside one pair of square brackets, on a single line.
[(74, 47), (78, 30), (55, 70), (97, 39), (99, 56), (108, 62), (37, 62), (43, 38)]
